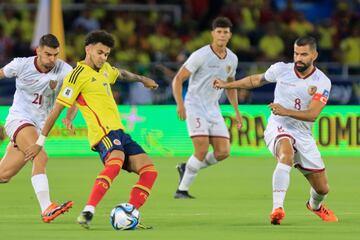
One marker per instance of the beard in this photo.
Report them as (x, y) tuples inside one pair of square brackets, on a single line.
[(301, 68), (49, 66)]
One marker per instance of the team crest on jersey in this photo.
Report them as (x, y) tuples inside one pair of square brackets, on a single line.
[(52, 84), (106, 74), (312, 90), (117, 142), (228, 68)]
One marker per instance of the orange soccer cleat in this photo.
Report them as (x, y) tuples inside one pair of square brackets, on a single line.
[(324, 213), (277, 216), (54, 210)]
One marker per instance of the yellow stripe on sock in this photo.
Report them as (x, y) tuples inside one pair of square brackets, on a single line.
[(114, 162), (142, 188), (106, 178), (148, 169)]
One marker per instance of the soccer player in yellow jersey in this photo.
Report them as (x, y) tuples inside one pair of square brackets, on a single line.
[(88, 86)]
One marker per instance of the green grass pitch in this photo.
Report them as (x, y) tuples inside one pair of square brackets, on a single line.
[(233, 202)]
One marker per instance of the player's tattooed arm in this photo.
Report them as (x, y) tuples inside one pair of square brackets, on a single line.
[(132, 77), (249, 82)]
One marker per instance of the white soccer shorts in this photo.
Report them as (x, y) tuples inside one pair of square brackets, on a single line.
[(307, 157), (13, 126), (202, 124)]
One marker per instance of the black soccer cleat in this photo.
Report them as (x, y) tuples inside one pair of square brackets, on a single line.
[(84, 219), (183, 195)]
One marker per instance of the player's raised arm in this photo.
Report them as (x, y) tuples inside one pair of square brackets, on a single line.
[(34, 149), (132, 77), (177, 83), (249, 82)]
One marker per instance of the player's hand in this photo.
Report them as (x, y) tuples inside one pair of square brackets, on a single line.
[(32, 151), (181, 111), (277, 109), (69, 126), (219, 84), (149, 83), (239, 121)]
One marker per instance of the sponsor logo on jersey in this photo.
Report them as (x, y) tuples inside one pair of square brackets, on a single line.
[(287, 84), (213, 66), (312, 90), (117, 142), (52, 84), (68, 92)]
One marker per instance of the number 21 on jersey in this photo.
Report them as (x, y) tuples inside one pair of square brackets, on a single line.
[(38, 99)]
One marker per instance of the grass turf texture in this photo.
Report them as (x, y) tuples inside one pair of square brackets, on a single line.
[(233, 202)]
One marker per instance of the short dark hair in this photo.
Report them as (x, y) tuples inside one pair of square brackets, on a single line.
[(221, 22), (100, 36), (307, 40), (49, 40)]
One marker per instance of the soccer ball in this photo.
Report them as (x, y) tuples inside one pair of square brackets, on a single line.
[(124, 217)]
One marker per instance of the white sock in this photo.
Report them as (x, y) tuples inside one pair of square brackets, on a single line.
[(210, 160), (315, 199), (41, 187), (193, 165), (89, 208), (280, 184)]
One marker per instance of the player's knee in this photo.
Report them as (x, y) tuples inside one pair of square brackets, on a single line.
[(286, 158), (221, 155), (39, 164), (41, 160)]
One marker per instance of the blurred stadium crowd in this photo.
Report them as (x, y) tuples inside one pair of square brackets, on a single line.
[(155, 36)]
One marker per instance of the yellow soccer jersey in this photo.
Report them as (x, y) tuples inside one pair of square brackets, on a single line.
[(91, 92)]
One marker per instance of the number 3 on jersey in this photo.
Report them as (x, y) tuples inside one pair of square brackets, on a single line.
[(38, 99), (297, 104)]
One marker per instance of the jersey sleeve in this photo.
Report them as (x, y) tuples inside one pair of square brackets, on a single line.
[(323, 92), (273, 72), (65, 70), (70, 90), (13, 68), (193, 62), (233, 71), (113, 74)]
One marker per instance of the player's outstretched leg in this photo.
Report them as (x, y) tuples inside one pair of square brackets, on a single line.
[(54, 210), (324, 213), (318, 192), (179, 194)]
